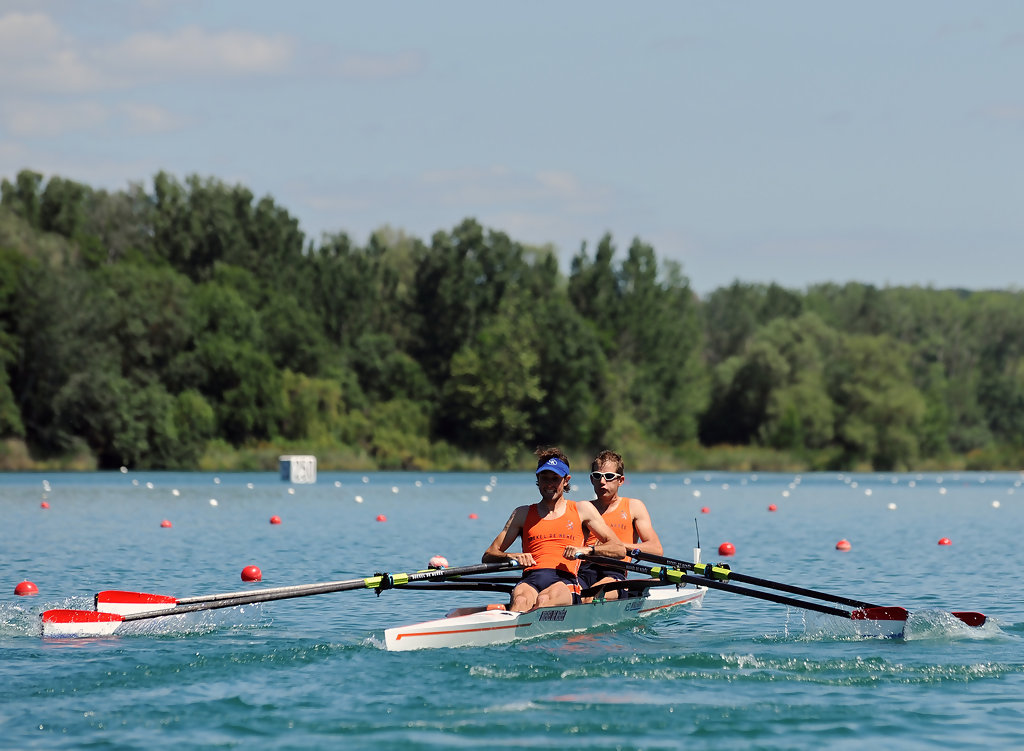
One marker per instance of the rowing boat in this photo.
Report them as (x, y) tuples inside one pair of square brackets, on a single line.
[(500, 626)]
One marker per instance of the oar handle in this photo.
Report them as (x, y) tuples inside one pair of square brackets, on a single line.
[(726, 574)]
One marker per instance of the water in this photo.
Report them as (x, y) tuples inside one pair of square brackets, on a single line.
[(308, 673)]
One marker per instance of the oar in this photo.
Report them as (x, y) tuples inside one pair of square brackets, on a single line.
[(95, 623), (125, 602), (722, 573), (873, 613)]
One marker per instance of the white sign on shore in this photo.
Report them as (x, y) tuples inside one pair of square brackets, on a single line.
[(300, 470)]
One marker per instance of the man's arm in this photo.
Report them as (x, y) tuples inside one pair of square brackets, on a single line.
[(648, 538), (610, 544), (495, 552)]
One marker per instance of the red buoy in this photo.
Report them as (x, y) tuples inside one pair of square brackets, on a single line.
[(44, 504), (727, 548), (26, 588), (843, 545), (381, 518), (945, 541), (472, 516), (772, 507), (252, 574), (275, 519), (705, 510), (166, 523)]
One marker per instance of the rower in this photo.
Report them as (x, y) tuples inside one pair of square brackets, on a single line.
[(552, 531), (627, 517)]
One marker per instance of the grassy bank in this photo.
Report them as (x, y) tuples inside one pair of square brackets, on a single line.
[(221, 457)]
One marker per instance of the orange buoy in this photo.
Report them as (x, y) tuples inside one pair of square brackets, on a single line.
[(945, 541), (44, 504), (772, 507), (381, 518), (26, 588), (166, 523), (727, 548), (275, 519), (843, 545), (472, 516), (705, 510), (252, 574)]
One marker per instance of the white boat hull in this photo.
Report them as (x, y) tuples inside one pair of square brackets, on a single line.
[(491, 627)]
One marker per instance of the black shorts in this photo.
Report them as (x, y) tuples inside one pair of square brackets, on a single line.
[(542, 578), (590, 574)]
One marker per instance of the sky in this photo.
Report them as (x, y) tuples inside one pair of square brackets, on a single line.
[(794, 142)]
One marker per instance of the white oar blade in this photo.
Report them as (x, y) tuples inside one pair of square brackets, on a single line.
[(127, 603), (72, 623)]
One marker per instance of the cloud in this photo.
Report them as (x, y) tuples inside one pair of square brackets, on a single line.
[(48, 119), (150, 118), (539, 207), (192, 50), (499, 186), (37, 56)]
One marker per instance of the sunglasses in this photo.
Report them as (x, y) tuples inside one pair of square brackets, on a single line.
[(609, 476)]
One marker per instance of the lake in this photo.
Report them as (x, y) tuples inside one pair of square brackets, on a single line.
[(309, 673)]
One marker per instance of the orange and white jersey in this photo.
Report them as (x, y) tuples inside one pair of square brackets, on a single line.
[(620, 519), (546, 539)]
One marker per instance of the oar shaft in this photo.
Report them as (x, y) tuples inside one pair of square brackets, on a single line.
[(316, 588), (230, 600), (724, 574), (676, 575)]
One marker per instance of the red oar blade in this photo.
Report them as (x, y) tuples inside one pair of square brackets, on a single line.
[(79, 623), (970, 617), (125, 603), (880, 614)]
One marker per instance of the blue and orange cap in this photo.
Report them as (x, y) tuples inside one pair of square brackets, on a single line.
[(555, 465)]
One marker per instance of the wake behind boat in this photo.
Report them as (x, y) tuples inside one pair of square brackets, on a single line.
[(501, 626)]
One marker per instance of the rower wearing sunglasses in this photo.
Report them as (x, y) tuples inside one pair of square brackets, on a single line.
[(552, 530), (628, 518)]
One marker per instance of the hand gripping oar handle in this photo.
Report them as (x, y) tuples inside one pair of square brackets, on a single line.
[(727, 574), (872, 613)]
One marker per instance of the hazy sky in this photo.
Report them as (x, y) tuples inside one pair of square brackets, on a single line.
[(783, 141)]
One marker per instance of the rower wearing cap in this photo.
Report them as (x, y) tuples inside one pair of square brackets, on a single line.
[(627, 517), (552, 531)]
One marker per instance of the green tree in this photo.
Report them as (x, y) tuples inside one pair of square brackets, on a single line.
[(879, 410), (495, 386)]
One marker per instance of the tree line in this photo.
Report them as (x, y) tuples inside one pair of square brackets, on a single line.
[(148, 327)]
